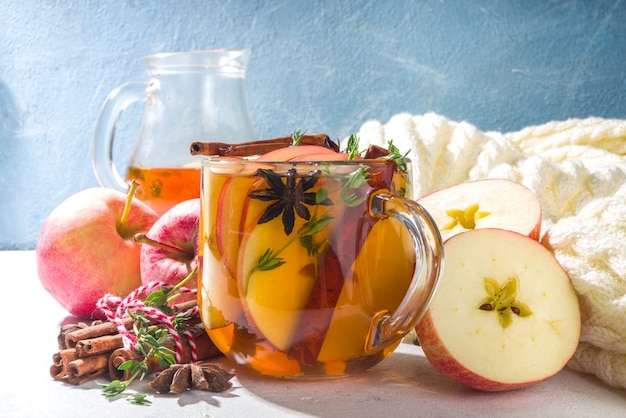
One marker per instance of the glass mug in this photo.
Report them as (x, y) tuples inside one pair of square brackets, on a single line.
[(312, 269), (196, 95)]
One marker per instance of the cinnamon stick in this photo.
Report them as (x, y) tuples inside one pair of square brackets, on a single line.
[(105, 328), (85, 369), (66, 329), (246, 149), (98, 345), (60, 360)]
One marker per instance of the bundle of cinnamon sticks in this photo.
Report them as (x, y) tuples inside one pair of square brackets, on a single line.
[(90, 351)]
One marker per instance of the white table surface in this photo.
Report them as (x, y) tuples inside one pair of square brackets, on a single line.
[(403, 385)]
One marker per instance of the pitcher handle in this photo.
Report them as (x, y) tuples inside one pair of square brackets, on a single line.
[(386, 327), (115, 103)]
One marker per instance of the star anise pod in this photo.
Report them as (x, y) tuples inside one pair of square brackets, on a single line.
[(202, 375), (290, 196)]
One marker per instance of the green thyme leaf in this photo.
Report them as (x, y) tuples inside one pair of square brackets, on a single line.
[(296, 137), (353, 147), (321, 196), (315, 225), (114, 388), (357, 179), (138, 399), (158, 298), (126, 365), (268, 261), (396, 156)]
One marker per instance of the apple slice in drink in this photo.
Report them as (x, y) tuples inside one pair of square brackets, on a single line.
[(489, 203), (288, 153), (505, 315), (326, 156), (274, 299), (234, 209), (347, 234), (378, 284)]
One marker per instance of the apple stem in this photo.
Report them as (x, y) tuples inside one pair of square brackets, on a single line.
[(180, 254), (182, 283), (129, 199)]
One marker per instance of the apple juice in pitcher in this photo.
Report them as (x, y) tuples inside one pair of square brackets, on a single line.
[(294, 268), (162, 188)]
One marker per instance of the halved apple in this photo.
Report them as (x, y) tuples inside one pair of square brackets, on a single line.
[(505, 315), (488, 203)]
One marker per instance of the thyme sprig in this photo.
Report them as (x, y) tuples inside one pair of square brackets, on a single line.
[(396, 156), (271, 259), (150, 343), (352, 148), (296, 137)]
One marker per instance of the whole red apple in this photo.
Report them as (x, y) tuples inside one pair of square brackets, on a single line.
[(170, 248), (85, 248)]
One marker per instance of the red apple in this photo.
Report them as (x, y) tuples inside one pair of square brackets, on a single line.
[(489, 203), (505, 315), (85, 248), (170, 248)]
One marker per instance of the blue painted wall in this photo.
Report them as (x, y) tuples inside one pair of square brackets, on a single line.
[(323, 66)]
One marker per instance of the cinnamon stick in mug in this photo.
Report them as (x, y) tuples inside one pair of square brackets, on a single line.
[(246, 149)]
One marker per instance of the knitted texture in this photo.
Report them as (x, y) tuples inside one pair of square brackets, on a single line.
[(577, 168)]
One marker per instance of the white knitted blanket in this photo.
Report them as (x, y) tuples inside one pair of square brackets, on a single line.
[(577, 168)]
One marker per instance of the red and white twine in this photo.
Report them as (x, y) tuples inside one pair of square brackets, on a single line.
[(116, 309)]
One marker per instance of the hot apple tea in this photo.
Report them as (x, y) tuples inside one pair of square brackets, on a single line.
[(312, 268)]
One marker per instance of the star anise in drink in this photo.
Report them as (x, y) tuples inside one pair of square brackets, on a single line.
[(289, 197)]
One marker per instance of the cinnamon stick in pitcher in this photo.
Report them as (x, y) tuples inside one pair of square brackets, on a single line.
[(246, 149)]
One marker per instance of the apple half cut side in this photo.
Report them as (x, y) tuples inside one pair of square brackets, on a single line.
[(505, 315), (487, 203)]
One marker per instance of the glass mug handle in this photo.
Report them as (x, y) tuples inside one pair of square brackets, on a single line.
[(116, 102), (386, 328)]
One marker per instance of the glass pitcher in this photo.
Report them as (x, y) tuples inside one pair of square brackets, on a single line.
[(189, 96)]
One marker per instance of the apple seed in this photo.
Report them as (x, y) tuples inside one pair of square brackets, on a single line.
[(503, 301)]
